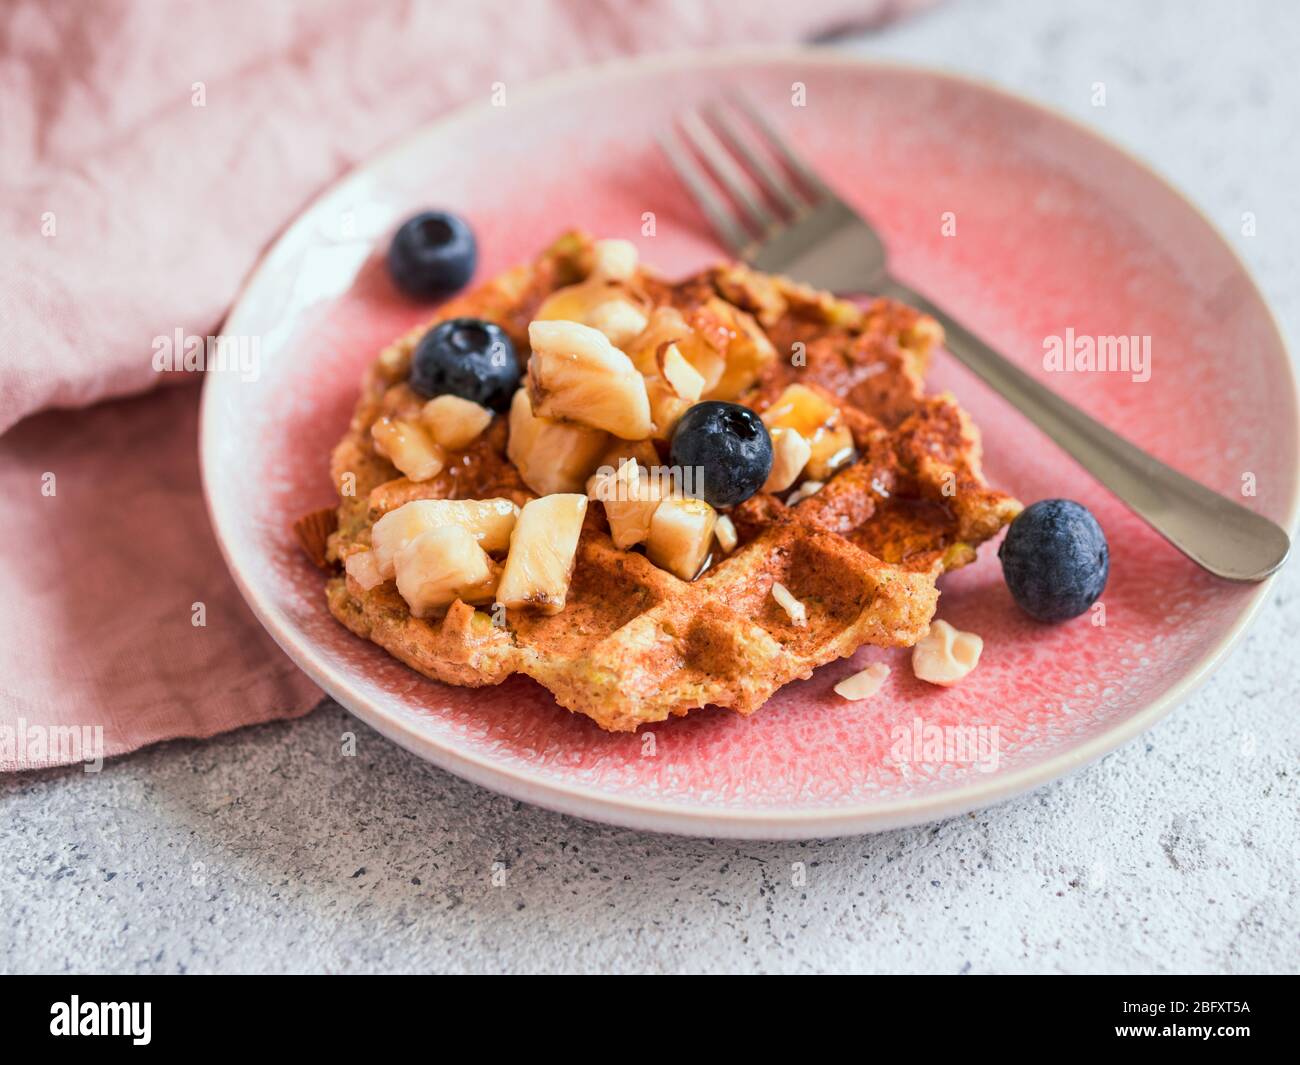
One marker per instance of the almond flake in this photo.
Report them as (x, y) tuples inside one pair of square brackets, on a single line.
[(808, 488), (684, 378), (798, 613)]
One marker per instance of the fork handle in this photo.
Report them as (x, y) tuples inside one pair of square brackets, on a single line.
[(1213, 531)]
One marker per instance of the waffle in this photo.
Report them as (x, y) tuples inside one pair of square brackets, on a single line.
[(635, 644)]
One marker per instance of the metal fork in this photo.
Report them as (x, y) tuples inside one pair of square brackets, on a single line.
[(802, 229)]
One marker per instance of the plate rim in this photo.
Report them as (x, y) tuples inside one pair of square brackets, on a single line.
[(789, 822)]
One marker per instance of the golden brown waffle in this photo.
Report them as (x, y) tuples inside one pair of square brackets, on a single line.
[(635, 644)]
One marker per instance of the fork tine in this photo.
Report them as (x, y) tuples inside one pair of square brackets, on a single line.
[(733, 234), (776, 185), (728, 174), (780, 146)]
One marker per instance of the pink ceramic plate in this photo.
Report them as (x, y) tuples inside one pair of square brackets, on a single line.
[(1055, 230)]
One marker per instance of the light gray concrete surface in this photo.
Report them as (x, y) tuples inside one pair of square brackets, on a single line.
[(268, 851)]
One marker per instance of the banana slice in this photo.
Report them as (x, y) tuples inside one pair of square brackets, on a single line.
[(630, 497), (681, 532), (453, 422), (551, 456), (408, 447), (575, 374), (542, 551), (442, 565), (790, 453), (489, 523)]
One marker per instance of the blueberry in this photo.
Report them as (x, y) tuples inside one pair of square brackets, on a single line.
[(467, 357), (727, 446), (1055, 559), (432, 254)]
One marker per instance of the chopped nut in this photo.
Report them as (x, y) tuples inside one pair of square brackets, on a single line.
[(454, 422), (790, 453), (808, 488), (944, 655), (620, 320), (408, 447), (362, 567), (792, 606), (668, 326), (394, 361), (613, 260), (664, 326), (576, 374), (725, 531), (863, 684), (314, 531)]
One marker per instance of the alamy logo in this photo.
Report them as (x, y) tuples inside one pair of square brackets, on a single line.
[(102, 1018), (226, 353), (651, 482), (929, 744), (29, 746), (1071, 353)]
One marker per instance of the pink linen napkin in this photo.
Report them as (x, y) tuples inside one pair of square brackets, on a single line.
[(148, 152)]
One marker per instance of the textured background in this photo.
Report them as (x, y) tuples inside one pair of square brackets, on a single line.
[(266, 850)]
